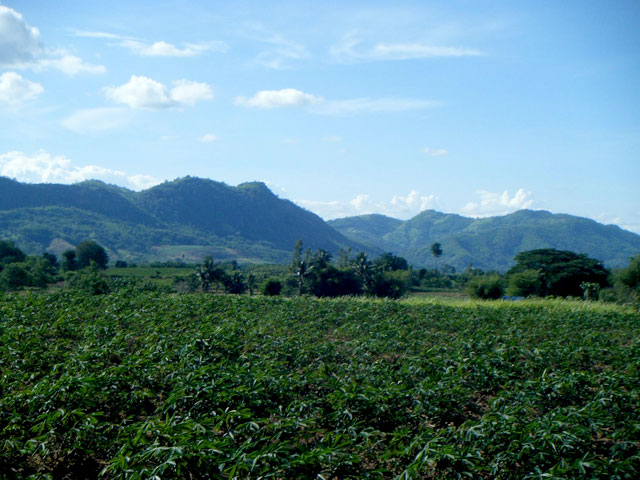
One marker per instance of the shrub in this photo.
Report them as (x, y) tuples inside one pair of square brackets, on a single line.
[(271, 287), (90, 280), (487, 287)]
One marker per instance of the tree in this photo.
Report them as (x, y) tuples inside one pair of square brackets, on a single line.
[(436, 251), (14, 275), (69, 264), (272, 287), (234, 283), (9, 253), (52, 259), (363, 269), (485, 287), (560, 272), (390, 262), (209, 272), (90, 250)]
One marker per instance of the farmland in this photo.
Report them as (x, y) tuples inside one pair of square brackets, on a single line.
[(138, 384)]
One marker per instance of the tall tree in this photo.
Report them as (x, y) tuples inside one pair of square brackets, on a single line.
[(436, 251), (560, 272), (90, 250)]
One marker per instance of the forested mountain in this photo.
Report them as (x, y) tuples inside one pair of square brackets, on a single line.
[(186, 218), (490, 243), (191, 217)]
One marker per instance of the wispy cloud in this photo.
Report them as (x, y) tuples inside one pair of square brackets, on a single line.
[(21, 47), (143, 92), (14, 89), (208, 138), (44, 167), (351, 48), (96, 120), (287, 97), (491, 203), (290, 97), (434, 152), (158, 48), (278, 52)]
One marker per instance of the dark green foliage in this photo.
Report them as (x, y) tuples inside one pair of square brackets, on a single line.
[(89, 251), (14, 276), (390, 262), (9, 253), (234, 283), (89, 280), (120, 264), (630, 275), (560, 272), (52, 259), (138, 384), (525, 284), (333, 282), (486, 287), (70, 262), (384, 285), (271, 287)]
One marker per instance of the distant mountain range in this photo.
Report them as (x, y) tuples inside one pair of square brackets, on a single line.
[(183, 219), (191, 217), (489, 243)]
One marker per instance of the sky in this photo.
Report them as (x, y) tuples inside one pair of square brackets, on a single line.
[(478, 108)]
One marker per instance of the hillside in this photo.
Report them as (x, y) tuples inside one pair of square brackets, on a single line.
[(490, 243), (186, 218)]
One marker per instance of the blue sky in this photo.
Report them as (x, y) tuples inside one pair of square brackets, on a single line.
[(474, 107)]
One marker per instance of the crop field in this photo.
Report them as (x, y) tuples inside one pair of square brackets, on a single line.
[(142, 385)]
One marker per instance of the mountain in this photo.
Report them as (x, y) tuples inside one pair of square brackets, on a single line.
[(186, 218), (489, 243)]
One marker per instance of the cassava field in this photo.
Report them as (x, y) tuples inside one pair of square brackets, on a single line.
[(145, 385)]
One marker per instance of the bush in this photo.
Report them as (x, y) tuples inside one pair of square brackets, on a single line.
[(524, 284), (90, 280), (488, 287), (271, 288), (15, 275)]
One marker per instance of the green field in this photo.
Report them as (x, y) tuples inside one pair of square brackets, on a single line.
[(140, 385)]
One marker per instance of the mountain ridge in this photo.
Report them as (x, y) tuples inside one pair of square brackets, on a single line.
[(190, 217), (490, 243), (184, 218)]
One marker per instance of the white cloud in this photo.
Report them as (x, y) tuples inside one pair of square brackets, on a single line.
[(165, 49), (361, 204), (20, 47), (405, 51), (186, 92), (371, 105), (47, 168), (69, 64), (280, 53), (435, 152), (143, 92), (19, 42), (95, 120), (287, 97), (332, 139), (14, 89), (491, 204), (159, 48), (290, 97), (208, 138), (351, 48)]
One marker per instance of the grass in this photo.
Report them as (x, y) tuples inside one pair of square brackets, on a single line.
[(139, 385)]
